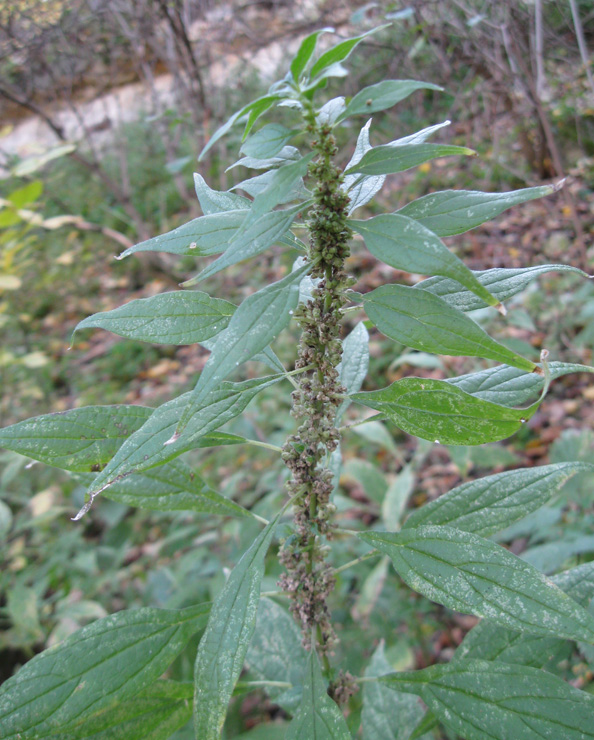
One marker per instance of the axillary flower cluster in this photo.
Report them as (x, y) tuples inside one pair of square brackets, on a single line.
[(308, 578)]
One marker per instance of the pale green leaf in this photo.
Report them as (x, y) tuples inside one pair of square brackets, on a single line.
[(370, 590), (418, 137), (339, 52), (481, 699), (397, 496), (407, 245), (305, 52), (226, 639), (450, 212), (330, 112), (216, 201), (318, 717), (282, 183), (93, 669), (387, 159), (490, 504), (267, 142), (353, 367), (256, 186), (361, 189), (476, 576), (383, 95), (427, 323), (286, 155)]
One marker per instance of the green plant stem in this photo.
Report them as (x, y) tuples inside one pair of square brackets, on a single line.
[(258, 684), (358, 423), (265, 445), (356, 561)]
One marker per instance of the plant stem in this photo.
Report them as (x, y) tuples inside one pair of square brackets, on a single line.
[(356, 561)]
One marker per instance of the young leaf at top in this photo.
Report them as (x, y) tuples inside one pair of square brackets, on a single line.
[(479, 699), (267, 142), (425, 322), (305, 52), (405, 244), (440, 412), (383, 95), (318, 717), (476, 576), (339, 52), (106, 662), (227, 636), (387, 159), (490, 504), (451, 212)]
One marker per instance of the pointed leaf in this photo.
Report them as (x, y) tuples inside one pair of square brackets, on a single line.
[(361, 189), (286, 155), (476, 576), (386, 159), (180, 317), (318, 717), (439, 411), (227, 636), (450, 212), (425, 322), (480, 699), (407, 245), (339, 52), (281, 184), (255, 186), (383, 95), (215, 201), (490, 504), (354, 364), (267, 142), (305, 52), (503, 283), (419, 136), (93, 669)]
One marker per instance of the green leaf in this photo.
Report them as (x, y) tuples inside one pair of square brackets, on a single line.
[(480, 699), (427, 323), (330, 112), (77, 440), (256, 322), (267, 142), (305, 52), (490, 504), (476, 576), (407, 245), (215, 201), (227, 636), (387, 159), (450, 212), (383, 95), (353, 367), (397, 496), (440, 412), (282, 183), (146, 447), (487, 641), (254, 237), (339, 52), (509, 386), (255, 186), (154, 714), (94, 669), (180, 317), (202, 236), (502, 282), (318, 717), (170, 487), (361, 189), (276, 653), (287, 154), (387, 714)]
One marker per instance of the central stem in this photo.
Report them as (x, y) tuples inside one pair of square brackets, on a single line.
[(308, 578)]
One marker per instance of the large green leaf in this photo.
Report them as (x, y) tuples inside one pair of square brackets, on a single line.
[(255, 323), (383, 95), (318, 717), (94, 669), (146, 447), (403, 243), (154, 714), (502, 282), (267, 142), (79, 440), (202, 236), (473, 575), (440, 412), (387, 159), (216, 201), (490, 504), (227, 636), (283, 184), (180, 317), (450, 212), (388, 714), (305, 53), (425, 322), (480, 699)]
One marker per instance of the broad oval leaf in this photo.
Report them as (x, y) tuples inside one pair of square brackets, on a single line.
[(216, 201), (267, 142), (387, 159), (481, 699), (425, 322), (383, 95), (490, 504), (93, 669), (180, 317), (318, 717), (440, 412), (226, 639), (473, 575), (407, 245), (503, 283), (451, 212)]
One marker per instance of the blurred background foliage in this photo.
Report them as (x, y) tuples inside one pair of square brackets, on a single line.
[(104, 106)]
